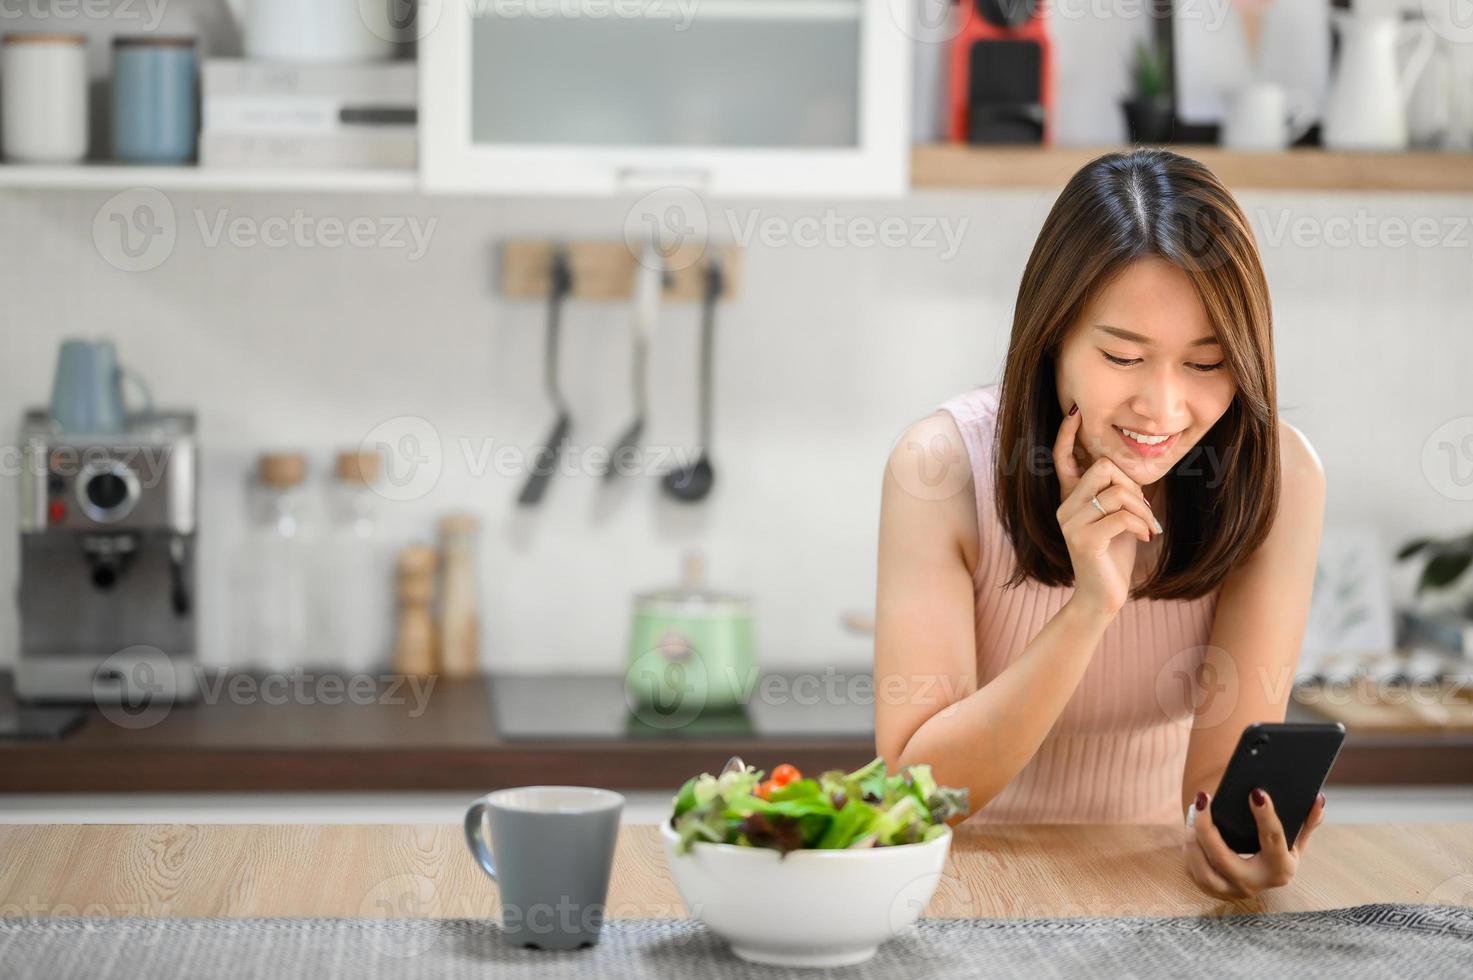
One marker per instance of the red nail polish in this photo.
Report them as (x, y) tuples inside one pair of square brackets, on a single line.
[(1258, 797), (1201, 800), (1074, 408)]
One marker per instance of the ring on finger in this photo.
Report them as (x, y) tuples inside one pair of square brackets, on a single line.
[(1098, 506)]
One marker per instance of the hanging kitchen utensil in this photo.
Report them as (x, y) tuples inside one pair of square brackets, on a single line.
[(648, 282), (692, 483), (545, 461)]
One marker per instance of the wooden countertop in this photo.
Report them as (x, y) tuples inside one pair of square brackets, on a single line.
[(426, 871), (449, 741)]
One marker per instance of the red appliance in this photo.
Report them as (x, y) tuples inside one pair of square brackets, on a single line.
[(1002, 74)]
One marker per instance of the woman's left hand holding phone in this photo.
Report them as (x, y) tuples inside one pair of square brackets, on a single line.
[(1223, 874)]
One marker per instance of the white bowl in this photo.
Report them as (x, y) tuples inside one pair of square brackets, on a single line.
[(811, 907)]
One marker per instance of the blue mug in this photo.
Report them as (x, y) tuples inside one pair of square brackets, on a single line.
[(154, 99), (87, 392)]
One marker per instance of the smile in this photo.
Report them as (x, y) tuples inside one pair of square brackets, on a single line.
[(1146, 445)]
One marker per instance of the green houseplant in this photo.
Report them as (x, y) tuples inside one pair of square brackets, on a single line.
[(1446, 571), (1149, 111)]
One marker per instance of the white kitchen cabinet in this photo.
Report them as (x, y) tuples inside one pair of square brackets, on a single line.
[(727, 97)]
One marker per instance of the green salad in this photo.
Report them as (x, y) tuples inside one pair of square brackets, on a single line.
[(868, 807)]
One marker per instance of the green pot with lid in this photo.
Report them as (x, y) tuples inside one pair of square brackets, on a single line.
[(690, 650)]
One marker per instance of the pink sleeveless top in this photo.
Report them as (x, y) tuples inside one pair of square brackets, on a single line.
[(1117, 752)]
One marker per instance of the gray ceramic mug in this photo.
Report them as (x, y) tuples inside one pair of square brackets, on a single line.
[(87, 390), (550, 850)]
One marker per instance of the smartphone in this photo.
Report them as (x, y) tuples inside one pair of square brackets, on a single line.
[(1289, 762)]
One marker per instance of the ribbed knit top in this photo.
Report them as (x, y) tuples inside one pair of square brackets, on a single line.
[(1117, 752)]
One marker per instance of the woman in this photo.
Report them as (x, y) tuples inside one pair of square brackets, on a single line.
[(1094, 575)]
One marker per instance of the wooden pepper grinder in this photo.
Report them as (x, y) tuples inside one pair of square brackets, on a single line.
[(415, 650), (460, 650)]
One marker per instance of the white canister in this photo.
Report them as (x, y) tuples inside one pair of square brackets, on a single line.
[(317, 31), (43, 97)]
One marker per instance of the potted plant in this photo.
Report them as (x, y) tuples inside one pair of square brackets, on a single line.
[(1148, 114), (1445, 574)]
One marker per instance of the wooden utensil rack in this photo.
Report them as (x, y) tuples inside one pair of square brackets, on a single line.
[(605, 270)]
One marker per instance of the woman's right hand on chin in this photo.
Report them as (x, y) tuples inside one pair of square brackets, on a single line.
[(1102, 547)]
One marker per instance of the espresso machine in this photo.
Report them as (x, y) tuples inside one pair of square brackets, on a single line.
[(107, 561)]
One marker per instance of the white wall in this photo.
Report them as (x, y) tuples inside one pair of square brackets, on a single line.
[(824, 357)]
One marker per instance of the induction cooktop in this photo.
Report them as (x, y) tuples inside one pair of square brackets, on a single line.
[(821, 704)]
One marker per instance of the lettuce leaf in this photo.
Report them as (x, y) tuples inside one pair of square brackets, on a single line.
[(869, 807)]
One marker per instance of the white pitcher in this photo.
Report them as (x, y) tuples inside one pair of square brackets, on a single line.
[(1368, 100), (1265, 116), (318, 31)]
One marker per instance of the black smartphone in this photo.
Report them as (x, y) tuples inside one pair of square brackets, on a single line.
[(1289, 761)]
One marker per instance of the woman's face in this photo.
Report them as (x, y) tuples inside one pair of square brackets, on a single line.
[(1168, 376)]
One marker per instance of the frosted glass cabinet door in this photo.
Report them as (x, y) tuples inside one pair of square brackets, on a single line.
[(729, 97)]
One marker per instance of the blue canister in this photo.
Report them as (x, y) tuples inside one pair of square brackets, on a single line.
[(155, 106)]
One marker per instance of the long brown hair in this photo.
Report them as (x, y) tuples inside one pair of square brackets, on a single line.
[(1223, 494)]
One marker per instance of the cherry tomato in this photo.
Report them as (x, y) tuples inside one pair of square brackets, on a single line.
[(785, 774), (764, 789)]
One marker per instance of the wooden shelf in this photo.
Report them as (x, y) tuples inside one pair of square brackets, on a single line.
[(933, 166), (957, 166), (103, 176)]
